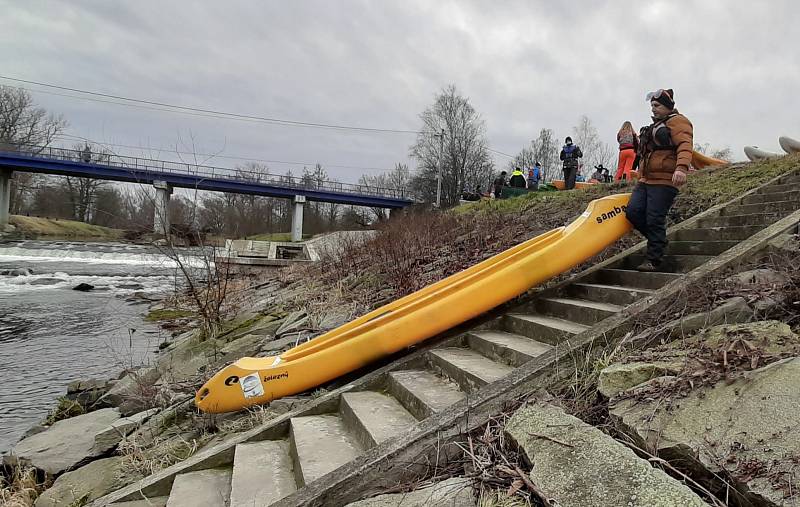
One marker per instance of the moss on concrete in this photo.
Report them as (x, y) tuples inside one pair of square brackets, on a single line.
[(168, 314)]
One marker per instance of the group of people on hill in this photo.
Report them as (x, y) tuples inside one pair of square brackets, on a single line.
[(658, 157), (518, 179)]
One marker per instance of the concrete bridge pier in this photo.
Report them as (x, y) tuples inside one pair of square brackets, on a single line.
[(297, 218), (5, 197), (161, 212)]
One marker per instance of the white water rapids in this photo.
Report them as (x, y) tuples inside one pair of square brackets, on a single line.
[(51, 335)]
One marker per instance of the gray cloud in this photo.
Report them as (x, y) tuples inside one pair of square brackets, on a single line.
[(525, 65)]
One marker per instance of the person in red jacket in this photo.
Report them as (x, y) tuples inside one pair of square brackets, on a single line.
[(628, 144), (665, 152)]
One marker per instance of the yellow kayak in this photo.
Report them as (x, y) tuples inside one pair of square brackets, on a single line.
[(700, 161), (418, 316)]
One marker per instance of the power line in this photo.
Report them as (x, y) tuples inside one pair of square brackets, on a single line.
[(277, 121), (231, 157), (501, 153)]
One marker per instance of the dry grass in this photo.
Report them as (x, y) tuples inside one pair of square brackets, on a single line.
[(35, 226), (21, 488), (164, 452)]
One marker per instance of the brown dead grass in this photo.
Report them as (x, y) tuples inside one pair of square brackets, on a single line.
[(20, 488)]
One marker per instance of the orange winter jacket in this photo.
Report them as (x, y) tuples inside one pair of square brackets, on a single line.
[(666, 147)]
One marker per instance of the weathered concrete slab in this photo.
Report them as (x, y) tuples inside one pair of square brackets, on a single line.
[(542, 328), (374, 417), (455, 492), (755, 277), (262, 474), (620, 377), (320, 444), (508, 348), (67, 443), (467, 367), (422, 392), (85, 484), (744, 431), (204, 488), (577, 464), (614, 294)]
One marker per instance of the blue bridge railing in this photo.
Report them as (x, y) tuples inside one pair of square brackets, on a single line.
[(199, 171)]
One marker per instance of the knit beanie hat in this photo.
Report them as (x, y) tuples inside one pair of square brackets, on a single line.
[(667, 98)]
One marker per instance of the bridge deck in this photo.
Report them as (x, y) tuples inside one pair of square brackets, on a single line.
[(65, 162)]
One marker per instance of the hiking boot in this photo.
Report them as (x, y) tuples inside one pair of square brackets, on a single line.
[(648, 267)]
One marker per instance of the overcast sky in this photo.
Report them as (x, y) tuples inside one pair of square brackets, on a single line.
[(525, 65)]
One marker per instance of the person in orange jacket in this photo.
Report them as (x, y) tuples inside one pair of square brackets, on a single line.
[(628, 144), (665, 152)]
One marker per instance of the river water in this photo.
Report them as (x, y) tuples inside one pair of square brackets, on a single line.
[(51, 335)]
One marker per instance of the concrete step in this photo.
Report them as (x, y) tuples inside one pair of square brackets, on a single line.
[(422, 392), (541, 328), (670, 263), (791, 179), (374, 417), (792, 195), (577, 310), (203, 488), (320, 444), (508, 348), (761, 219), (614, 294), (262, 473), (774, 206), (700, 247), (774, 189), (718, 233), (468, 368), (631, 278)]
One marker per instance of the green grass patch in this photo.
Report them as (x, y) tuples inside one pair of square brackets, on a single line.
[(36, 226), (168, 314), (704, 189)]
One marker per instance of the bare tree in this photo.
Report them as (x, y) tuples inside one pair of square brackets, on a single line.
[(720, 153), (83, 191), (465, 158), (23, 126), (545, 151), (595, 150), (524, 159), (396, 181)]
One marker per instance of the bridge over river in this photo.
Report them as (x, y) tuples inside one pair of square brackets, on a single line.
[(165, 175)]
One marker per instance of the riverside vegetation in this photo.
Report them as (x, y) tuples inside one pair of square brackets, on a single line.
[(156, 425)]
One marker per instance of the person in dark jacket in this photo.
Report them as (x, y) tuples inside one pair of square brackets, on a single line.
[(498, 184), (665, 152), (570, 154), (517, 179)]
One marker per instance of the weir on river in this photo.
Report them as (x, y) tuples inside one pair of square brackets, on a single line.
[(51, 335)]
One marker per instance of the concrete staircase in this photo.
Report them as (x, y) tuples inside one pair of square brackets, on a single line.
[(317, 441)]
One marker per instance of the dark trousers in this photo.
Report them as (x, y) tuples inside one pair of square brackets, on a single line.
[(533, 184), (569, 177), (647, 211)]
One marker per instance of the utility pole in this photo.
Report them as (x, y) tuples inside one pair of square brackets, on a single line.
[(440, 135)]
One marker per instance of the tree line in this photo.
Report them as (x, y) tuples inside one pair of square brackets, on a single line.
[(452, 144)]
